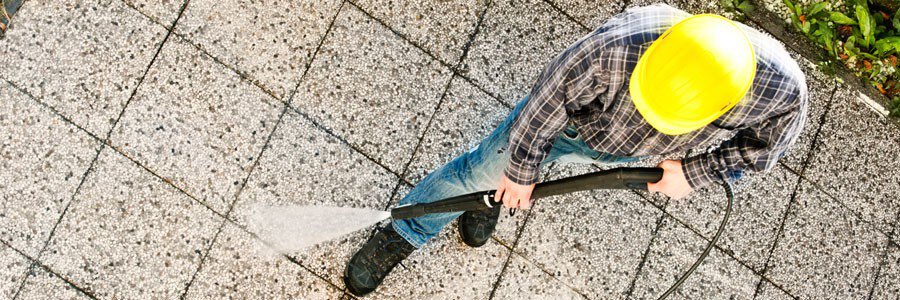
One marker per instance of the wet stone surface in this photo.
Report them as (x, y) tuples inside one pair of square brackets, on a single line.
[(524, 280), (197, 123)]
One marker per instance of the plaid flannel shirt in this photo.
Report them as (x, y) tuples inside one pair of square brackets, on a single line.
[(587, 86)]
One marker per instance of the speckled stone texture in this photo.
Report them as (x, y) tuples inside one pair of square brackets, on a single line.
[(821, 88), (12, 271), (306, 166), (759, 206), (129, 235), (372, 88), (44, 285), (825, 251), (197, 124), (888, 286), (671, 254), (240, 267), (590, 240), (524, 280), (440, 27), (517, 42), (856, 160), (768, 290), (163, 12), (37, 175), (465, 118), (86, 64), (271, 41), (590, 13)]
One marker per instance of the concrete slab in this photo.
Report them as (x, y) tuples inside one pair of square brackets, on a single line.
[(825, 251), (271, 41), (759, 206), (197, 123), (440, 27), (524, 280), (12, 270), (856, 160), (86, 65), (820, 88), (770, 291), (44, 285), (888, 285), (306, 166), (129, 235), (590, 13), (240, 266), (163, 12), (372, 88), (38, 175), (672, 253), (466, 117), (597, 259), (446, 269), (517, 41)]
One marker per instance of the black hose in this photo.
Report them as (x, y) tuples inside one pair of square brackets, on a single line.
[(729, 192)]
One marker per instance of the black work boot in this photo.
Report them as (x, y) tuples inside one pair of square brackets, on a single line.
[(476, 226), (372, 263)]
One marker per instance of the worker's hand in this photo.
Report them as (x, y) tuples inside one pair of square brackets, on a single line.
[(514, 195), (673, 183)]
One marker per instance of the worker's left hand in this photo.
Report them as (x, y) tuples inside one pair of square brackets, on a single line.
[(673, 183)]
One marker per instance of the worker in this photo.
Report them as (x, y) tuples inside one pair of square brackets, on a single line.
[(650, 81)]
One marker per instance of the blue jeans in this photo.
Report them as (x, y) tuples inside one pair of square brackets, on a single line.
[(481, 169)]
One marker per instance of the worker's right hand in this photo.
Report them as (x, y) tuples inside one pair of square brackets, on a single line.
[(514, 195)]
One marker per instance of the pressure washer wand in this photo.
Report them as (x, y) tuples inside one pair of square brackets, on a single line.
[(619, 178)]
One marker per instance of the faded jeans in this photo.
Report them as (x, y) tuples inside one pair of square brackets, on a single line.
[(481, 169)]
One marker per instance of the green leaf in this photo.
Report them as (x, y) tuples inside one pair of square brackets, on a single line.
[(816, 8), (842, 19), (746, 6), (790, 5), (895, 20), (887, 44), (805, 27), (866, 26)]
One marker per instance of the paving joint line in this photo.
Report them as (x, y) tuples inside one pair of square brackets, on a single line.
[(100, 149), (47, 269), (646, 253), (567, 15)]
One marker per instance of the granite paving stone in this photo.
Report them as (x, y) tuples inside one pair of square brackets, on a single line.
[(12, 271), (590, 13), (888, 285), (85, 65), (446, 268), (673, 252), (856, 160), (240, 266), (197, 123), (524, 280), (163, 12), (770, 291), (759, 206), (825, 251), (372, 88), (821, 88), (44, 285), (306, 166), (130, 235), (38, 175), (272, 41), (591, 240), (518, 40), (440, 27)]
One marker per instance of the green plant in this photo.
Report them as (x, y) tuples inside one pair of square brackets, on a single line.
[(865, 38)]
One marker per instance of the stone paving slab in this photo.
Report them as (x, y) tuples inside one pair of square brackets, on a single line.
[(825, 251), (372, 88), (37, 175), (888, 285), (518, 39), (44, 285), (590, 240), (821, 89), (86, 65), (12, 271), (163, 12), (770, 292), (670, 255), (129, 235), (242, 267), (440, 27), (524, 280), (856, 160), (271, 41), (196, 123), (590, 13)]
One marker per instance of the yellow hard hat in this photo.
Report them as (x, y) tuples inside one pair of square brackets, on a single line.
[(695, 72)]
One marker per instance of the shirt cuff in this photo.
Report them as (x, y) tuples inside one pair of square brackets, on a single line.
[(522, 174), (699, 171)]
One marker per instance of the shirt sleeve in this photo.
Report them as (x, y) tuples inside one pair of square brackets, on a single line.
[(565, 84), (754, 149)]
